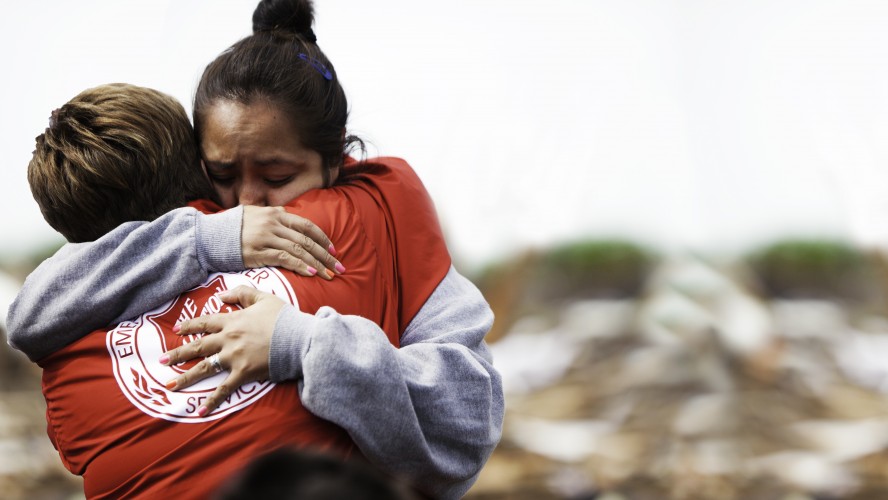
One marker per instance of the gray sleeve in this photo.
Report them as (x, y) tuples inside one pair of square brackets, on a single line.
[(431, 411), (132, 269)]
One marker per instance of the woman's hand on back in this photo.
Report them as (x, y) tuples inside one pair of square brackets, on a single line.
[(271, 236), (240, 338)]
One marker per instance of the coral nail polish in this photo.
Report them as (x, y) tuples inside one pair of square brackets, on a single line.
[(169, 385)]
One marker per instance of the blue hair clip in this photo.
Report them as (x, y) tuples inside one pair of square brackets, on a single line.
[(317, 65)]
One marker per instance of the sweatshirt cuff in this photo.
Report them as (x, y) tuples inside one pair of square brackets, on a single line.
[(290, 343), (219, 240)]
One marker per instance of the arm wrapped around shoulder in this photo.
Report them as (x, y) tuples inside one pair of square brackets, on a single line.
[(431, 411)]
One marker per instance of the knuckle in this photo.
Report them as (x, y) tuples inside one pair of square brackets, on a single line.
[(298, 251), (198, 347), (302, 240), (205, 367), (224, 390), (238, 351), (282, 256)]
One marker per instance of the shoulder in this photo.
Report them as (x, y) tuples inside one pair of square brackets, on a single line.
[(390, 180), (351, 217), (382, 167)]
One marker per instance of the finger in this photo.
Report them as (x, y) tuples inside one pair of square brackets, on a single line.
[(296, 259), (198, 372), (306, 249), (242, 294), (202, 347), (306, 227), (208, 323), (313, 239), (222, 392)]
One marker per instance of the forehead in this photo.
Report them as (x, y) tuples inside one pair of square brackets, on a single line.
[(232, 130)]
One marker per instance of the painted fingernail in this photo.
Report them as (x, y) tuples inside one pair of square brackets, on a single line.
[(312, 271), (329, 273), (169, 385), (177, 327), (331, 249), (202, 411), (339, 268), (164, 359)]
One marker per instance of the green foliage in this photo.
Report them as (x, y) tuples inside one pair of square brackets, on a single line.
[(813, 269), (607, 268), (579, 269)]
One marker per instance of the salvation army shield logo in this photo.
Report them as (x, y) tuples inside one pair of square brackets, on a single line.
[(135, 346)]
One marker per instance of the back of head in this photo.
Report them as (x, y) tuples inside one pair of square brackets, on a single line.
[(287, 474), (113, 154), (281, 64)]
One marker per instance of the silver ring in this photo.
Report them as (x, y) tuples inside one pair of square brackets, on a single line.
[(215, 363)]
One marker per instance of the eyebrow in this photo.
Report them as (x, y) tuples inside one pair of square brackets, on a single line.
[(219, 165), (276, 159)]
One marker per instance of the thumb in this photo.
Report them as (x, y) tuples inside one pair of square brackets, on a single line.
[(243, 295)]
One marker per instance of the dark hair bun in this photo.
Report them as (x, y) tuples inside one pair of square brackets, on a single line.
[(294, 16)]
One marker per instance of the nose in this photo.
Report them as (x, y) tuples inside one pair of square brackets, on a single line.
[(252, 193)]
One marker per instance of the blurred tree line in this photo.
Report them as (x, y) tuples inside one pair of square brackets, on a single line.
[(798, 268)]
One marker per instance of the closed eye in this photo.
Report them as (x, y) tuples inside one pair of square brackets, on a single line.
[(220, 179), (279, 181)]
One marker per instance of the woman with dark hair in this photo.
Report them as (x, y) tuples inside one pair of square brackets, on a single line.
[(270, 116)]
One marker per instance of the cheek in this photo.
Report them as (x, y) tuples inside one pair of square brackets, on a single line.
[(226, 195), (279, 197), (285, 194)]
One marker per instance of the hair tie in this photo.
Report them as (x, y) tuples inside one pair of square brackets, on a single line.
[(318, 65)]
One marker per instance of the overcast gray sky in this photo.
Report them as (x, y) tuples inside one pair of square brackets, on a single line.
[(710, 125)]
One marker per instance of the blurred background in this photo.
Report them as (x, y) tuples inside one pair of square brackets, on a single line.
[(677, 210)]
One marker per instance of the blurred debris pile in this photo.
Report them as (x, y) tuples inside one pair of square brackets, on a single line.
[(30, 467), (536, 283), (713, 381)]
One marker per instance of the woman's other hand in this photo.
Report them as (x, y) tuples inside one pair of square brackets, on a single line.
[(240, 338), (271, 236)]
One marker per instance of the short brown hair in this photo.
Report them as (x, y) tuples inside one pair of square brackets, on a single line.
[(113, 154)]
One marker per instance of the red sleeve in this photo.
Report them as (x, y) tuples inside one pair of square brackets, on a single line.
[(356, 226), (414, 233)]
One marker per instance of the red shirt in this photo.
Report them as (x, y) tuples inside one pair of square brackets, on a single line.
[(110, 416)]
